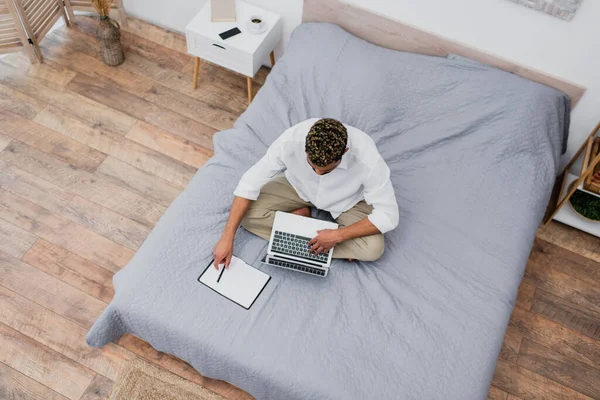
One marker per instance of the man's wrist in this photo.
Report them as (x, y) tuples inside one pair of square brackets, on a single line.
[(342, 234), (228, 235)]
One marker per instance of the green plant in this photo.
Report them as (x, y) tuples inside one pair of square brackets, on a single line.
[(586, 204)]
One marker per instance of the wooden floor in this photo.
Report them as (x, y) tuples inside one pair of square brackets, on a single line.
[(92, 156)]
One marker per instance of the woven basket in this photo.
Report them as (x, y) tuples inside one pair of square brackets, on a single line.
[(109, 39)]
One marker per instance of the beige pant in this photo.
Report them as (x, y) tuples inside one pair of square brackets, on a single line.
[(279, 195)]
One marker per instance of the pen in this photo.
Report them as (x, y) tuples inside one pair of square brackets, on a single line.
[(221, 274)]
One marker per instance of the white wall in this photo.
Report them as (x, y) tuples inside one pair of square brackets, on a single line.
[(570, 50)]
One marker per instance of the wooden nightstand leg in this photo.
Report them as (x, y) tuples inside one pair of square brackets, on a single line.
[(249, 89), (196, 71), (272, 59)]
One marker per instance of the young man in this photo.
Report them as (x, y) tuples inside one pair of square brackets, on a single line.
[(327, 165)]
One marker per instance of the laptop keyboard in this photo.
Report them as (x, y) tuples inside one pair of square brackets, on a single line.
[(296, 267), (295, 245)]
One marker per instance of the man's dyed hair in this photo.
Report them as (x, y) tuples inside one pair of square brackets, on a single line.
[(326, 142)]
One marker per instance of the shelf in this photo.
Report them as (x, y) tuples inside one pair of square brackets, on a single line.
[(568, 216), (571, 178)]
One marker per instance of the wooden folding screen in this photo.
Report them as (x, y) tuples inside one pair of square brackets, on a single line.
[(12, 35), (38, 16)]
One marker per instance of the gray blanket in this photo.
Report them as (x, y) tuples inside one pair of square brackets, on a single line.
[(473, 153)]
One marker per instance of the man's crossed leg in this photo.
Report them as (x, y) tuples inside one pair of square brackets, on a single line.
[(279, 195)]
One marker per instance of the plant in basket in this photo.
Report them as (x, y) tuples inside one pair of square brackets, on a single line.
[(585, 204), (108, 34)]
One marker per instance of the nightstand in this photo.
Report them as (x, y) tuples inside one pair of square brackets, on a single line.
[(243, 53)]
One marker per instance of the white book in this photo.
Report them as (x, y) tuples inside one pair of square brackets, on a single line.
[(222, 10), (240, 283)]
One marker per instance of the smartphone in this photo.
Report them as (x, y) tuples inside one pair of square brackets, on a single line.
[(227, 34)]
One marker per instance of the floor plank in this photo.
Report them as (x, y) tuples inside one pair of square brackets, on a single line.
[(105, 222), (74, 40), (99, 389), (576, 265), (497, 394), (555, 336), (212, 87), (574, 240), (95, 68), (173, 146), (511, 344), (14, 240), (205, 113), (17, 386), (153, 33), (64, 99), (168, 362), (111, 143), (72, 269), (583, 293), (565, 313), (4, 141), (561, 369), (19, 103), (60, 334), (51, 293), (209, 71), (43, 364), (49, 141), (525, 295), (165, 56), (528, 385), (99, 90), (61, 231), (136, 180), (181, 368), (48, 71), (33, 188), (84, 184)]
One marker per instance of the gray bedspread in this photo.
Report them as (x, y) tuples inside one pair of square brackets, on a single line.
[(473, 153)]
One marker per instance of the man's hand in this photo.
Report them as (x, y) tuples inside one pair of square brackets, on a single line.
[(223, 252), (324, 241), (224, 248)]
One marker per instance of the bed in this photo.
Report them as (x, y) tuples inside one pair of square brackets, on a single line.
[(473, 153)]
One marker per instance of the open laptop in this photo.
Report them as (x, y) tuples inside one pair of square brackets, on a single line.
[(288, 246)]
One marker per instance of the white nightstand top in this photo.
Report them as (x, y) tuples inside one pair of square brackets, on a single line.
[(246, 41)]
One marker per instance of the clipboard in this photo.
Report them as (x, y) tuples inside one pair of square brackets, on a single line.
[(240, 283)]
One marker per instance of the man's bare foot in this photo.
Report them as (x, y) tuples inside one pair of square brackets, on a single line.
[(351, 259), (304, 212)]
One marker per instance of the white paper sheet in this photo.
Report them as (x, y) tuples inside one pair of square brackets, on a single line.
[(241, 283)]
